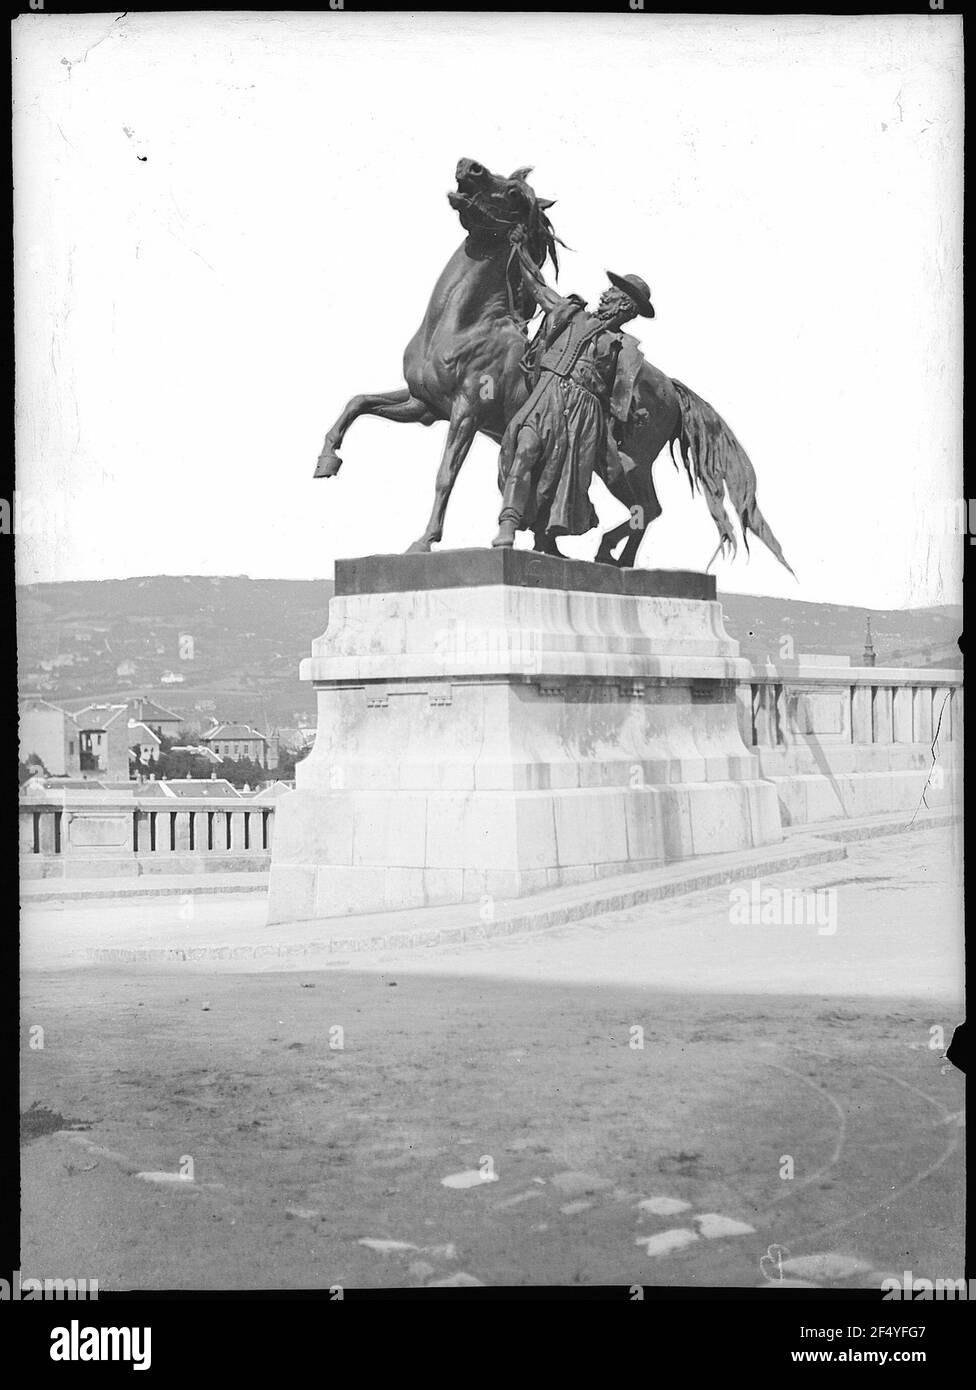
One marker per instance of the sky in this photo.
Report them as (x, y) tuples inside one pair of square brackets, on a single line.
[(228, 224)]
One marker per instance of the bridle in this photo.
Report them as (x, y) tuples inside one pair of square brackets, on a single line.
[(549, 238)]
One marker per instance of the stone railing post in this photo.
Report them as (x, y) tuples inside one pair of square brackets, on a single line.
[(862, 730), (881, 714), (922, 714), (902, 721)]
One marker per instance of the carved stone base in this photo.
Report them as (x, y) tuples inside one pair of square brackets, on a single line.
[(498, 738)]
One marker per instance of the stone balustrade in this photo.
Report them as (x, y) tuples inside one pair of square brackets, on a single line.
[(854, 740), (834, 741), (74, 833)]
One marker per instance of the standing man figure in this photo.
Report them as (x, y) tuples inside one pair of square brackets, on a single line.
[(561, 435)]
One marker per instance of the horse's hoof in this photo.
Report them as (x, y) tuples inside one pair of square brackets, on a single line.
[(328, 465), (421, 547)]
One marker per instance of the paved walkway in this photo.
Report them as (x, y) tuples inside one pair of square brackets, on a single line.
[(175, 920)]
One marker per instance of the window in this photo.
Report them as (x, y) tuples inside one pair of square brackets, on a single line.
[(71, 747)]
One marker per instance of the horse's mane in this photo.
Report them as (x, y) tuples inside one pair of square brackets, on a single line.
[(540, 237)]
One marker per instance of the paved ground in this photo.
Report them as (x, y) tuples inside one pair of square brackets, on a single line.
[(767, 1048)]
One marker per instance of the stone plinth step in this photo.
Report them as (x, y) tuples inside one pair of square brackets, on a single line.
[(871, 827), (435, 926), (73, 890), (476, 568), (331, 938)]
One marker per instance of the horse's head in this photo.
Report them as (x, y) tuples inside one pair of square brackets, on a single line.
[(489, 206)]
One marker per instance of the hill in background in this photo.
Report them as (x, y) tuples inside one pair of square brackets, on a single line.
[(230, 646), (900, 636)]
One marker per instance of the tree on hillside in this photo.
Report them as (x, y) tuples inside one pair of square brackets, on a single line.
[(241, 771), (184, 736), (184, 764)]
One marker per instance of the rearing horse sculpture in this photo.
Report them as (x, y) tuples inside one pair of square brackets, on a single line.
[(466, 365)]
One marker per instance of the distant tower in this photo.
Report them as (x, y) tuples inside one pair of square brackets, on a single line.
[(868, 657)]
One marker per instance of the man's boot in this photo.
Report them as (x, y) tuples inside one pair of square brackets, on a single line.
[(515, 499), (507, 526)]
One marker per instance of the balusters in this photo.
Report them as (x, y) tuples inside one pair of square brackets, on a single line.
[(881, 718)]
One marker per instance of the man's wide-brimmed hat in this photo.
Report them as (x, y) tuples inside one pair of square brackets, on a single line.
[(638, 289)]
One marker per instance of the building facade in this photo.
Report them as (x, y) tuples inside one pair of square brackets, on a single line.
[(103, 741), (238, 741), (48, 733)]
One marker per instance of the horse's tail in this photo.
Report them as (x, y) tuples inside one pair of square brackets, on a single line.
[(715, 460)]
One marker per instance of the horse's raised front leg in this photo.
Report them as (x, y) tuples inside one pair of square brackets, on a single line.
[(460, 435), (398, 406)]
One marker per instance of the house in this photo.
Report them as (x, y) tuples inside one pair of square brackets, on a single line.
[(48, 733), (237, 741), (163, 722), (103, 740), (145, 740)]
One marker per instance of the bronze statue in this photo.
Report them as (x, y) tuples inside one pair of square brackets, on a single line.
[(470, 363), (562, 434)]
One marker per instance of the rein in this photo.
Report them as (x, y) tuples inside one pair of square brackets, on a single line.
[(508, 281)]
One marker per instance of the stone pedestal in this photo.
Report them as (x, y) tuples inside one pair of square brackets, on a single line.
[(497, 722)]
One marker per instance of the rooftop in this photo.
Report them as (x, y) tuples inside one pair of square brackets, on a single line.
[(99, 717), (207, 787), (149, 709), (238, 731), (144, 732)]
